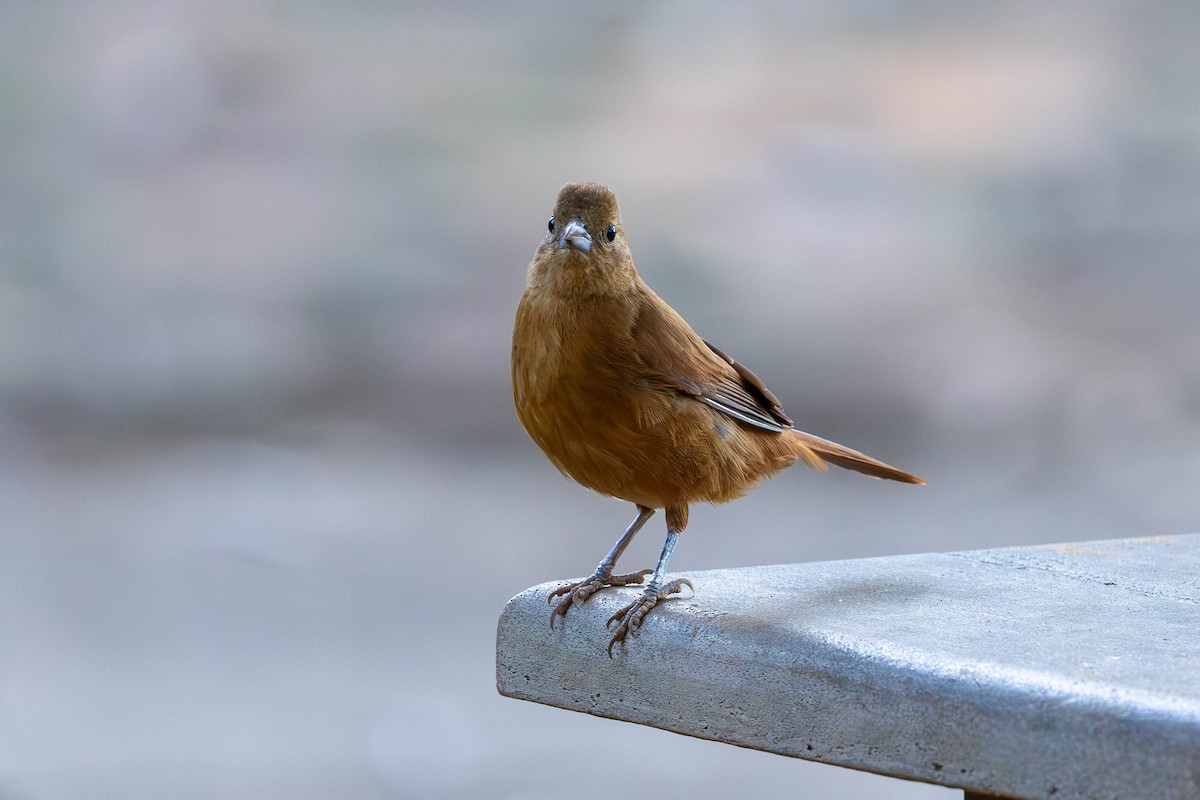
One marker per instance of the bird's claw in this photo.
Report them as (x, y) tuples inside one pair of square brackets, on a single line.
[(631, 616), (577, 593)]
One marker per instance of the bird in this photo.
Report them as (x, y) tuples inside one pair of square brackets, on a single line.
[(626, 399)]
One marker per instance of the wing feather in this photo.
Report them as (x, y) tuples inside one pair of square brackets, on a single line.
[(679, 359)]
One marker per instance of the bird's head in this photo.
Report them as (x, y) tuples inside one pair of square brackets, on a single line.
[(585, 248)]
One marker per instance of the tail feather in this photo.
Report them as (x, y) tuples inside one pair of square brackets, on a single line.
[(846, 458)]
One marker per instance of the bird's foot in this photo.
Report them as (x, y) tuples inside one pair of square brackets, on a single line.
[(630, 617), (576, 593)]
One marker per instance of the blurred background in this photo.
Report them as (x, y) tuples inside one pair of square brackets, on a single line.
[(264, 494)]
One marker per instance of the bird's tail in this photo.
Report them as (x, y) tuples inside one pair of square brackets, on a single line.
[(815, 451)]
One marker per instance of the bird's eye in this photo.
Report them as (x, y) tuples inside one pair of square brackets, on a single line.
[(551, 225), (611, 233)]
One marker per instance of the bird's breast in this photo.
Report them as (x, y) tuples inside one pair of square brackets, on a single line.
[(579, 391)]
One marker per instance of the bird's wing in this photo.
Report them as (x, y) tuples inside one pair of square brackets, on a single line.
[(679, 359), (747, 397)]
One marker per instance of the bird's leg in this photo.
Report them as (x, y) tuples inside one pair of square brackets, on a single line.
[(603, 576), (630, 617)]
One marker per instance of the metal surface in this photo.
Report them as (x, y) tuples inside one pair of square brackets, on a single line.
[(1068, 671)]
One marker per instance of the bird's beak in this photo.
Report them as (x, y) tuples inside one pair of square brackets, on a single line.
[(576, 237)]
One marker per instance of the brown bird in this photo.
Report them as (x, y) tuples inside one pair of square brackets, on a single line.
[(625, 398)]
